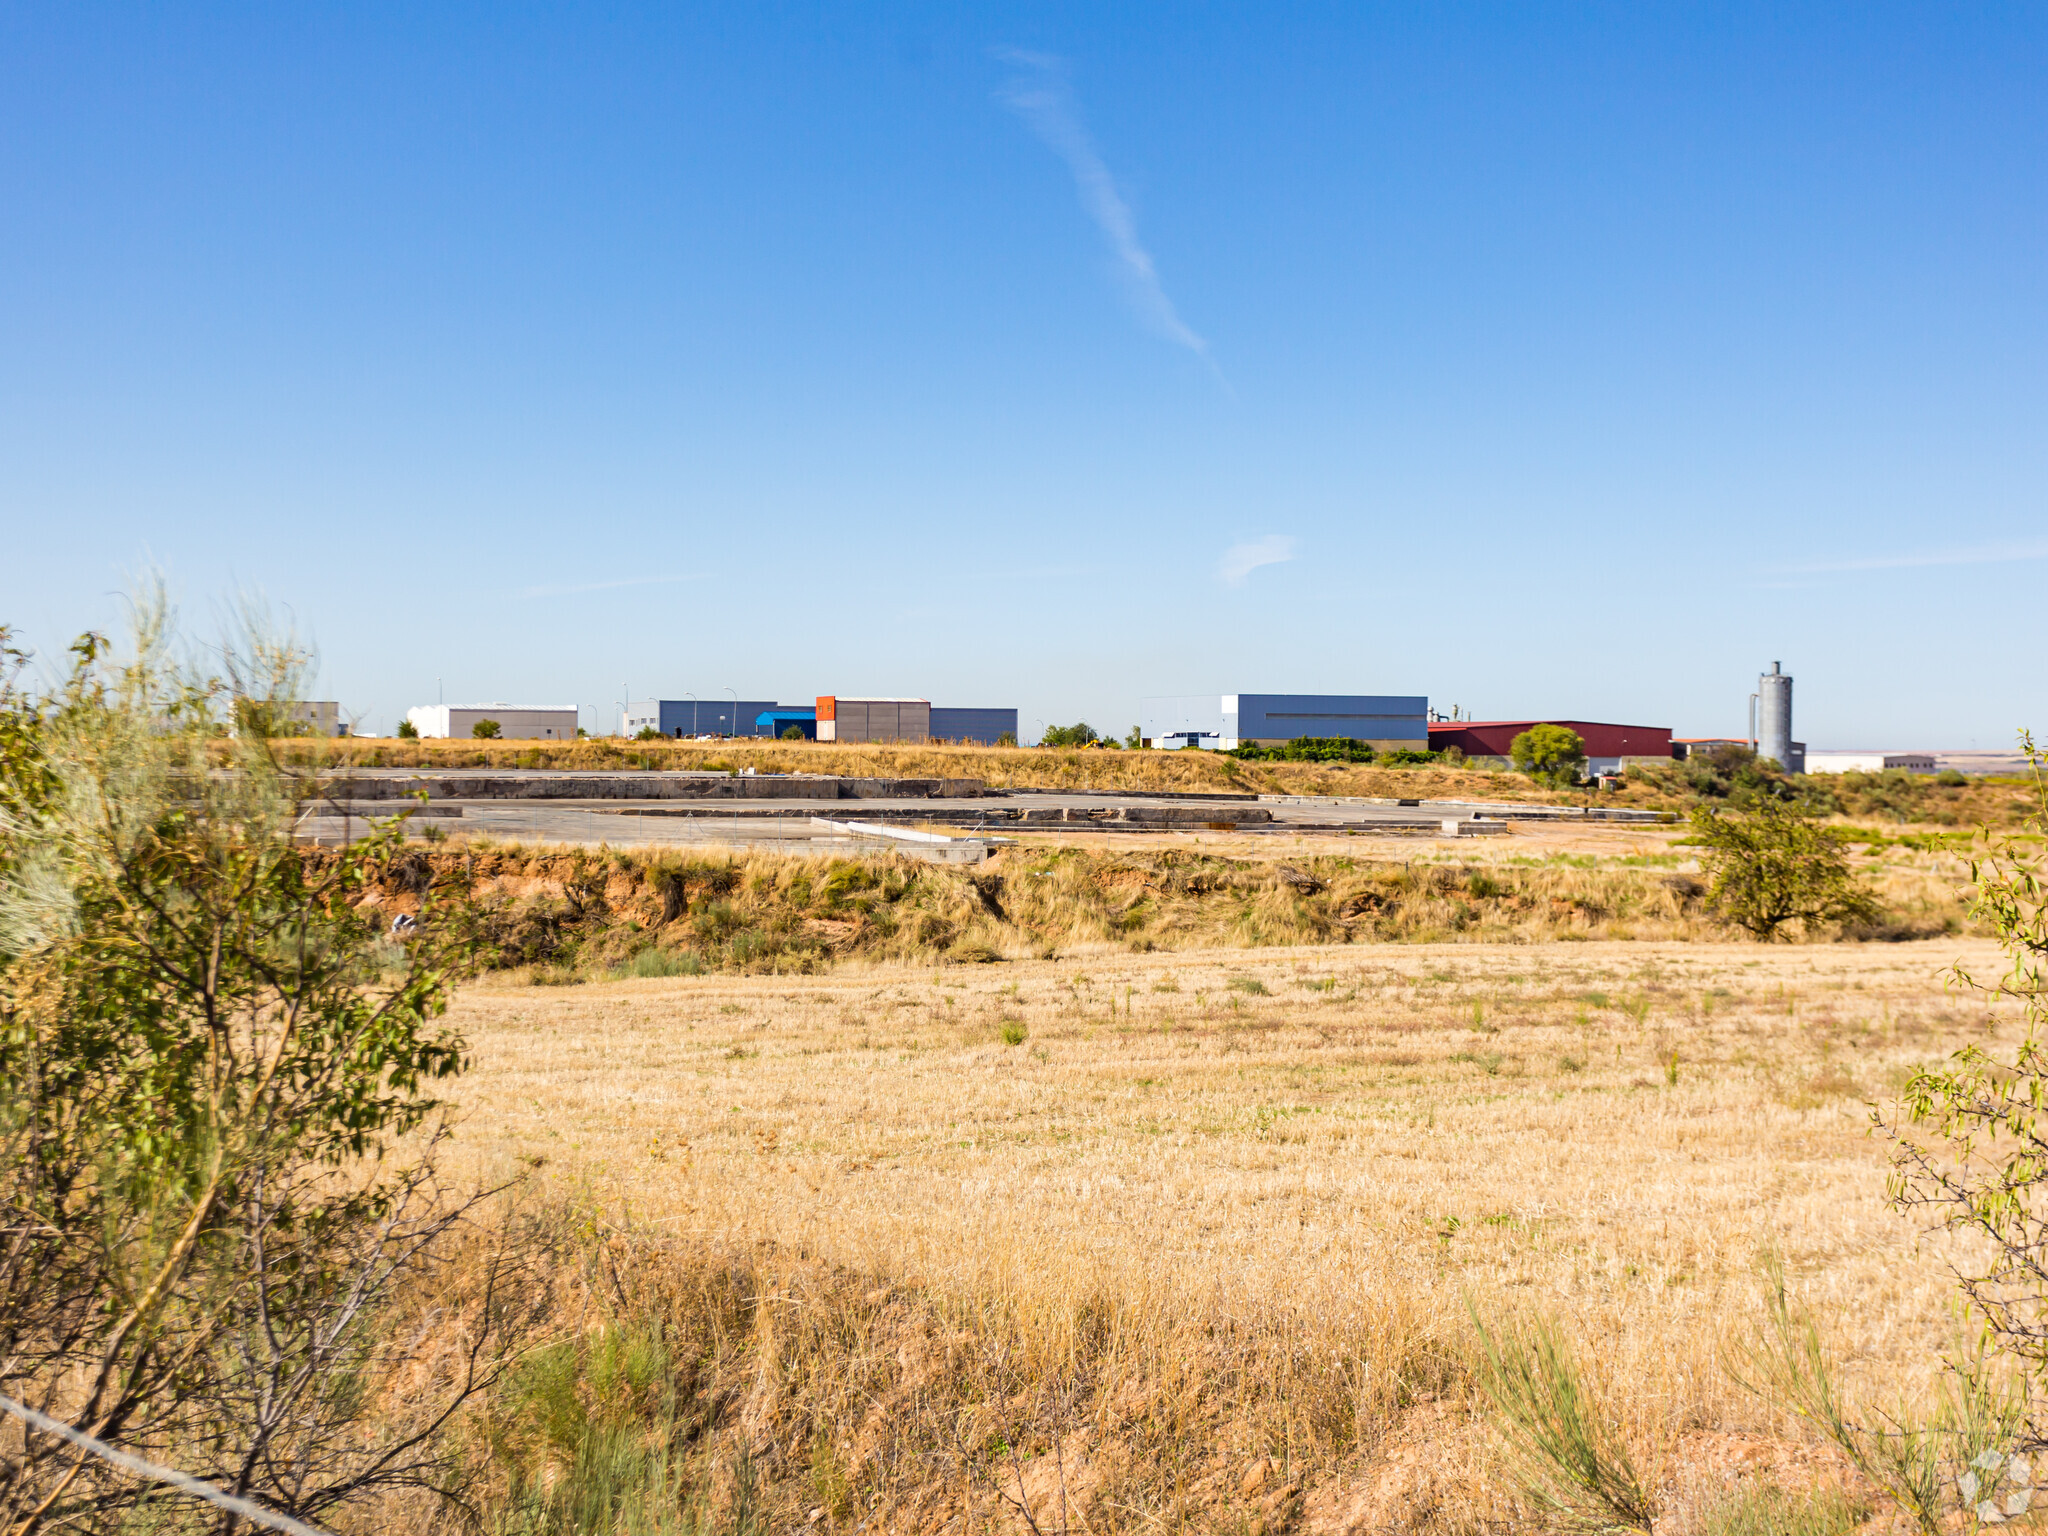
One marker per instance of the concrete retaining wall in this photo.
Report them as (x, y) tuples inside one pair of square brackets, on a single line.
[(646, 786)]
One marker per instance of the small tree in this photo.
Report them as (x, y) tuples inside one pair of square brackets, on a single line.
[(1970, 1137), (1550, 754), (1007, 739), (487, 730), (1079, 734), (1771, 864), (793, 733), (1136, 740), (645, 733), (208, 1056), (407, 731)]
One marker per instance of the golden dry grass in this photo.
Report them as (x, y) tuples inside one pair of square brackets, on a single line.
[(1233, 1204)]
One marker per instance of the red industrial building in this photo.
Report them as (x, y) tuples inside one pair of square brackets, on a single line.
[(1607, 746)]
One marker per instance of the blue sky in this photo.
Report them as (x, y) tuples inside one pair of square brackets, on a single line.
[(1557, 360)]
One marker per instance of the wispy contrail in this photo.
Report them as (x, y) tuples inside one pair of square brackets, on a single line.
[(1240, 560), (1981, 554), (1042, 98)]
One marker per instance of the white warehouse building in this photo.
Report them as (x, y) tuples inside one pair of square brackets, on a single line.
[(516, 722), (1869, 762)]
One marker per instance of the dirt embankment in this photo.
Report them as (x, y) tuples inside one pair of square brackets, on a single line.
[(581, 913)]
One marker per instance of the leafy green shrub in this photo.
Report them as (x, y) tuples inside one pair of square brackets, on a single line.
[(1549, 754), (1307, 749), (1958, 1444), (407, 731), (207, 1053), (794, 733), (485, 730), (1007, 739), (1014, 1032), (1966, 1136), (645, 733), (1079, 734), (1771, 864), (1949, 778)]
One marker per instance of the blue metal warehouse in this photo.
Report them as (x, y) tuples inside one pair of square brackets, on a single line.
[(1389, 722), (984, 727), (764, 717)]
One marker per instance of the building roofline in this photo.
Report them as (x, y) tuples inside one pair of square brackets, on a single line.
[(1612, 725)]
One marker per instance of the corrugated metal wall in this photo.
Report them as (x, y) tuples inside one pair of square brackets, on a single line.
[(875, 719), (977, 725)]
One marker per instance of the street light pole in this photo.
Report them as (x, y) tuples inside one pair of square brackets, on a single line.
[(735, 709), (693, 710)]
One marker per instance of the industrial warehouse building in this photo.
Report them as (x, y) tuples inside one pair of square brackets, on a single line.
[(1869, 762), (831, 719), (516, 722), (975, 727), (1609, 747), (1387, 722), (873, 719), (697, 717), (848, 719)]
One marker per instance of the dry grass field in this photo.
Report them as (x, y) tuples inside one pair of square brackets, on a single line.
[(1187, 1240)]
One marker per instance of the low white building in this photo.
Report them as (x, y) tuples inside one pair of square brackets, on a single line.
[(1869, 762), (516, 722)]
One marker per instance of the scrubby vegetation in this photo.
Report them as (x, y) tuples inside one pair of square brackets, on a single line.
[(1772, 864), (1204, 1214), (211, 1066), (1317, 749), (580, 914)]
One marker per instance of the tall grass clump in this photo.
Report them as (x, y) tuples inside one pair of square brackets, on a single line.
[(1569, 1457)]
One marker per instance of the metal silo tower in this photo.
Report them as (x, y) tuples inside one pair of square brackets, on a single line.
[(1774, 717)]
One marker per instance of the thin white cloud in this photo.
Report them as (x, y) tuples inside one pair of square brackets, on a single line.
[(1982, 554), (1042, 98), (602, 586), (1240, 560)]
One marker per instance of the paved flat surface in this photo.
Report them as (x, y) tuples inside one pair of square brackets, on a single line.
[(785, 818)]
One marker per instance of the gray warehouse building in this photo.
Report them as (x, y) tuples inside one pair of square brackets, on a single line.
[(1388, 722), (841, 718)]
